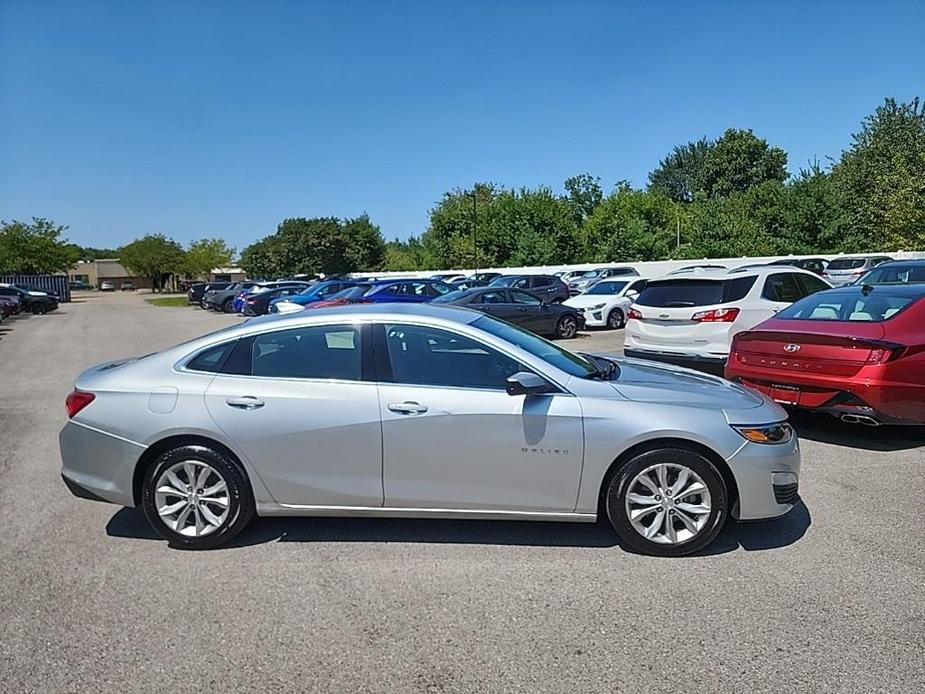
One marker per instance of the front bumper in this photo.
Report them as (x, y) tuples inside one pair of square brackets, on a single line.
[(767, 476), (98, 464)]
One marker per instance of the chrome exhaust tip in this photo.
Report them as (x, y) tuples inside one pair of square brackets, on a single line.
[(860, 419)]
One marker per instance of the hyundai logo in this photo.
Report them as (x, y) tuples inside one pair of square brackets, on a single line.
[(791, 348)]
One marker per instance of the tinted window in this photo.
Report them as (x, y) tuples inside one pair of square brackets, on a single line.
[(313, 352), (677, 293), (434, 357), (846, 263), (568, 362), (811, 284), (524, 298), (522, 283), (782, 287), (848, 306), (438, 289), (210, 360), (504, 281), (491, 298), (895, 274), (453, 296)]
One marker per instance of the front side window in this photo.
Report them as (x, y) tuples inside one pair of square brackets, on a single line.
[(561, 358), (782, 287), (607, 287), (491, 298), (811, 284), (322, 351), (433, 357)]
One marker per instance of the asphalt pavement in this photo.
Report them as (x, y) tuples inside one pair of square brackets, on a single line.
[(827, 599)]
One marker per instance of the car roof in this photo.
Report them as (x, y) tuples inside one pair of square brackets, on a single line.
[(735, 273), (911, 290), (364, 311), (910, 261)]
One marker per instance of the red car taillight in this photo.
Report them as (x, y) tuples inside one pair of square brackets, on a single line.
[(633, 314), (76, 401), (716, 315), (881, 355)]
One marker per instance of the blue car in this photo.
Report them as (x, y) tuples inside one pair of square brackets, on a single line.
[(406, 291), (316, 292)]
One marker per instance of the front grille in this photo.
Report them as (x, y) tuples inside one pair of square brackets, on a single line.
[(786, 493)]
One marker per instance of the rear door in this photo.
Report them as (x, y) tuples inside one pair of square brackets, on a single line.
[(454, 439), (494, 302), (529, 312), (780, 290), (302, 405)]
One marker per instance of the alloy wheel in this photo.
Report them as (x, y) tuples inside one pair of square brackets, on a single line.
[(568, 327), (668, 503), (615, 319), (191, 498)]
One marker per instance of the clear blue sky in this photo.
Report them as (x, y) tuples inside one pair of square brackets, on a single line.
[(223, 118)]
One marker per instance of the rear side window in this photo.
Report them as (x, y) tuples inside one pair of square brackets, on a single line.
[(324, 351), (678, 293), (844, 306), (782, 287), (212, 359)]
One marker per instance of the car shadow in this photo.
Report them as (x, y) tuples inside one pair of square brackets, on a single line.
[(780, 532), (824, 428)]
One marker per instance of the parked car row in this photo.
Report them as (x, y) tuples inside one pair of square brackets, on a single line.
[(15, 299)]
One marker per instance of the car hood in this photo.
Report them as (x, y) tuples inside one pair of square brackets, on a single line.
[(583, 300), (645, 381)]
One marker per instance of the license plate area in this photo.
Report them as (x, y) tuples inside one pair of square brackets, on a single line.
[(785, 395)]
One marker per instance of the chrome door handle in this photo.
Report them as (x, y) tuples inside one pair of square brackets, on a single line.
[(407, 407), (245, 402)]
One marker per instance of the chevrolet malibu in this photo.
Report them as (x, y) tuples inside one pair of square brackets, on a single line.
[(425, 412)]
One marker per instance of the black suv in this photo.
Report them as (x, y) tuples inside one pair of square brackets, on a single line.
[(548, 287), (37, 303)]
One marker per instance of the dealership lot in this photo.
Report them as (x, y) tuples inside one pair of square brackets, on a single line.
[(827, 598)]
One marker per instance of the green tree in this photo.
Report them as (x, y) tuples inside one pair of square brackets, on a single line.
[(881, 180), (631, 225), (91, 253), (739, 160), (584, 194), (35, 248), (405, 255), (812, 212), (365, 245), (462, 222), (743, 224), (204, 255), (542, 224), (680, 175), (154, 256)]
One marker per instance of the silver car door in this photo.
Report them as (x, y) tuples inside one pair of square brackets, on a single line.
[(296, 404), (453, 438)]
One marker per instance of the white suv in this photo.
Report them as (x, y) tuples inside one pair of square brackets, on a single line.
[(607, 303), (690, 320)]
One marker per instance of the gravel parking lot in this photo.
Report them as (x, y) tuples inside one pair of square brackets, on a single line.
[(829, 598)]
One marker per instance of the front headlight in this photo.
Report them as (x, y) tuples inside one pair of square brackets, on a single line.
[(781, 432), (596, 307)]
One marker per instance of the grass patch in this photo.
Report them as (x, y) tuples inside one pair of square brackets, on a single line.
[(168, 301)]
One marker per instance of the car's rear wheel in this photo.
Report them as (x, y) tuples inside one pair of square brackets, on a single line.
[(197, 497), (667, 502), (39, 309), (567, 328), (616, 319), (228, 306)]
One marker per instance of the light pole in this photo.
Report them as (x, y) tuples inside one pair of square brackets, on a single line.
[(475, 230)]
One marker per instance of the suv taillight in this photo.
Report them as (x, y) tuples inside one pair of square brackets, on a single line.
[(76, 401), (633, 314), (716, 315)]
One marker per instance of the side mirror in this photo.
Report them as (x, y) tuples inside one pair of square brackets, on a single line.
[(525, 383), (631, 294)]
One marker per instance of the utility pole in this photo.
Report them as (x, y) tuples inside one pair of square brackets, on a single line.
[(679, 230), (475, 230)]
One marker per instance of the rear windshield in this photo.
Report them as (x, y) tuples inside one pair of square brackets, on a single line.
[(848, 306), (690, 292), (847, 263), (895, 274)]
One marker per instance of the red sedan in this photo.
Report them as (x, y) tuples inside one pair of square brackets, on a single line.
[(855, 352)]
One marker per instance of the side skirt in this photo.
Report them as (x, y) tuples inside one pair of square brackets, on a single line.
[(395, 512)]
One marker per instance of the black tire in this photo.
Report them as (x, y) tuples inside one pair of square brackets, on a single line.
[(567, 327), (618, 487), (228, 305), (240, 497), (39, 309), (615, 319)]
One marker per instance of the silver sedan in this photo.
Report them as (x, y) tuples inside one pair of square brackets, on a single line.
[(427, 412)]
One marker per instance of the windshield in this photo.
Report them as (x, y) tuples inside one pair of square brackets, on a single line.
[(875, 306), (504, 281), (548, 351), (452, 296), (607, 288), (356, 292), (847, 263), (591, 273), (895, 274)]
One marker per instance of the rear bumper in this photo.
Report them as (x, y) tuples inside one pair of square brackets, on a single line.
[(713, 365), (97, 465)]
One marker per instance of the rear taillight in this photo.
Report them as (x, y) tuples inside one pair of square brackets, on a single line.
[(881, 355), (716, 315), (76, 401), (634, 314)]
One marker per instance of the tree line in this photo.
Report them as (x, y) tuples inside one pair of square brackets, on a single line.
[(729, 196)]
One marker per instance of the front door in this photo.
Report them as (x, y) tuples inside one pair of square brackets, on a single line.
[(298, 407), (454, 439)]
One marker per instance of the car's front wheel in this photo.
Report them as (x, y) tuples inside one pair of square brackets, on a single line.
[(567, 327), (197, 497), (38, 309), (667, 502), (616, 319)]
